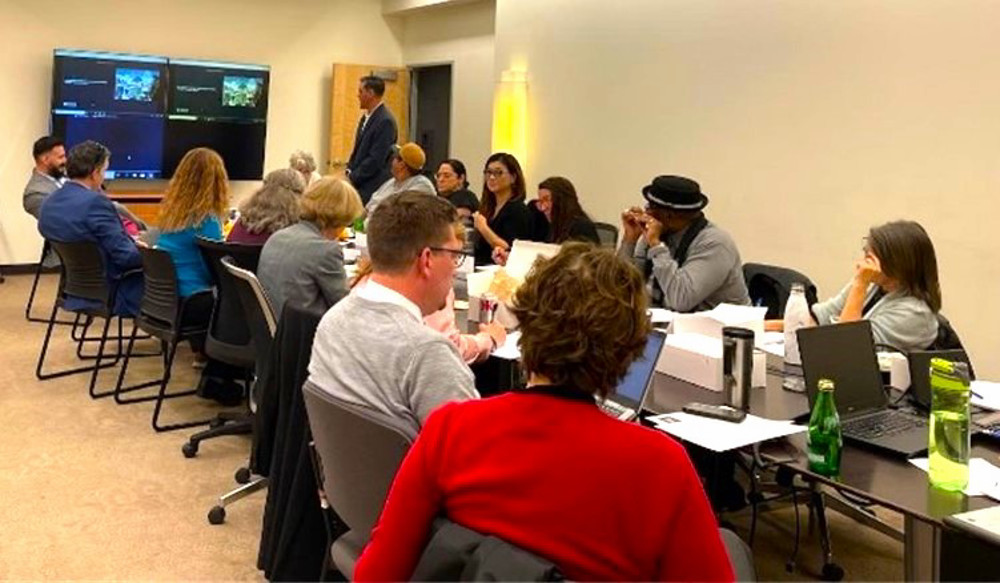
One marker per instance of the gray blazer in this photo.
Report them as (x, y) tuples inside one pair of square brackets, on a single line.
[(300, 266), (38, 188)]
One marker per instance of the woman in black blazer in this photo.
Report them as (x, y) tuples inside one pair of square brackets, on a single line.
[(503, 216)]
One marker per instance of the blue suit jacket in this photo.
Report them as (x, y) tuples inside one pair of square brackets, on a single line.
[(369, 163), (74, 214)]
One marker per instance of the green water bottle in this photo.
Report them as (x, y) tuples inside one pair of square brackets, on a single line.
[(824, 439), (949, 436)]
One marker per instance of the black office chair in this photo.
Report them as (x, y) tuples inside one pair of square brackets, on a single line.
[(355, 479), (46, 250), (263, 324), (608, 234), (83, 277), (770, 285), (228, 339), (166, 316)]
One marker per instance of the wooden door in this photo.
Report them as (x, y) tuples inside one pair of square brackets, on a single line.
[(345, 111)]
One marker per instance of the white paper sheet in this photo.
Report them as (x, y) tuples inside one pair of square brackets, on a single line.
[(719, 435), (509, 349), (661, 315), (984, 477), (773, 343), (523, 255), (989, 394)]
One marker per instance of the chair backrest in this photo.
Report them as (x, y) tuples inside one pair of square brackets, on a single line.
[(229, 337), (770, 286), (83, 274), (608, 234), (360, 451), (256, 308), (160, 297), (740, 555)]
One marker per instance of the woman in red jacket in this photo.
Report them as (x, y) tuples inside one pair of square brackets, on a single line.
[(544, 468)]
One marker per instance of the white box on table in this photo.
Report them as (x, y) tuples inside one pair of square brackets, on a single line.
[(697, 359)]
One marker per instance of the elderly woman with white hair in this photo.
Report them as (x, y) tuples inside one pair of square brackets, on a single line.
[(305, 164), (270, 209)]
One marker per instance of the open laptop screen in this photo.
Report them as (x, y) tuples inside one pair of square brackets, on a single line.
[(845, 354), (632, 388)]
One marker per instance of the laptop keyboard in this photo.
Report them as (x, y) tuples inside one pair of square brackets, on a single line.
[(882, 424), (615, 410)]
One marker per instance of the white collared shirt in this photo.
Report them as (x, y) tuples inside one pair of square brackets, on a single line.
[(376, 292), (59, 182), (368, 114)]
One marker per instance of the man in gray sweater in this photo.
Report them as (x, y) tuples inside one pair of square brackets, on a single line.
[(372, 348), (692, 264)]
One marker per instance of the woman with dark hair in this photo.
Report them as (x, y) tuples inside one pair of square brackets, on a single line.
[(453, 185), (895, 287), (521, 466), (503, 216), (565, 218)]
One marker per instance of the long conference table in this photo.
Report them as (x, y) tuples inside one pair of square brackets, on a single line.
[(877, 478), (884, 480)]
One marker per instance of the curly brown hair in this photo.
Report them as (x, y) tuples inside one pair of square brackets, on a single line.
[(583, 319), (199, 189)]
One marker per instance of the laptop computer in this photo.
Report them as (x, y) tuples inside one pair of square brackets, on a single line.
[(626, 400), (845, 354), (920, 378)]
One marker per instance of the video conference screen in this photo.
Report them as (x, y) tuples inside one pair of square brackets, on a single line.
[(151, 110)]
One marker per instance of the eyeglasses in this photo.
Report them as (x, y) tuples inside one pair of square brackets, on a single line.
[(457, 255), (493, 173)]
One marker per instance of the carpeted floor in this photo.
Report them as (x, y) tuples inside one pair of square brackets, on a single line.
[(89, 491)]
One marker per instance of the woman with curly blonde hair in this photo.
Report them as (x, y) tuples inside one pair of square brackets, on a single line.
[(192, 207), (270, 209)]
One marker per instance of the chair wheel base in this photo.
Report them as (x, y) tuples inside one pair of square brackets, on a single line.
[(217, 515), (832, 572), (216, 423), (242, 476), (189, 449)]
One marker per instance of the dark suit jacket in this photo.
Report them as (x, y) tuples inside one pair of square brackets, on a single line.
[(75, 214), (369, 163)]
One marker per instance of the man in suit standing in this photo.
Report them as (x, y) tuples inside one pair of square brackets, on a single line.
[(368, 166), (79, 212)]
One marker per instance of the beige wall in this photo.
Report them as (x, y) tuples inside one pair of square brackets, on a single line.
[(462, 36), (806, 122), (299, 40)]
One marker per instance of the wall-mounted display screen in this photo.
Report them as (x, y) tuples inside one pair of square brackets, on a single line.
[(150, 110)]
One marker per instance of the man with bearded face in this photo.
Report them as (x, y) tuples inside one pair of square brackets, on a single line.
[(48, 174)]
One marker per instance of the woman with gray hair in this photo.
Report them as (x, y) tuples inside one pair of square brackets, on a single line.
[(272, 208), (305, 164)]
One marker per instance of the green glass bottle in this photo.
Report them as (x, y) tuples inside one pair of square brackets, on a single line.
[(359, 225), (949, 436), (824, 438)]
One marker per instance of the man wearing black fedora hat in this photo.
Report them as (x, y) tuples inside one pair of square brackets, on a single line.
[(692, 264)]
